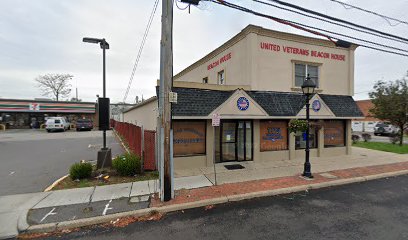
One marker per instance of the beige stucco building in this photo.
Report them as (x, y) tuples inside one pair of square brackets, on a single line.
[(253, 83)]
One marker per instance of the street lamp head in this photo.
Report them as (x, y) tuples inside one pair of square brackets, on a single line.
[(308, 86), (91, 40), (102, 42)]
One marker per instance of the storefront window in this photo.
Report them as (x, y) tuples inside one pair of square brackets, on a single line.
[(334, 132), (189, 138), (300, 139), (274, 135)]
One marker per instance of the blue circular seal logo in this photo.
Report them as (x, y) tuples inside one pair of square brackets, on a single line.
[(316, 105), (242, 103)]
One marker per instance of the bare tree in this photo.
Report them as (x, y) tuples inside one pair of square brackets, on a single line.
[(56, 85)]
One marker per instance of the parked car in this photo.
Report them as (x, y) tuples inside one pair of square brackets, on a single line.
[(84, 124), (57, 124), (385, 129)]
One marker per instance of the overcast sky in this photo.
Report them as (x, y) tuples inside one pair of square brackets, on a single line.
[(45, 36)]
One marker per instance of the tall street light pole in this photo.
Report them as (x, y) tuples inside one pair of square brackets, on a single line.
[(104, 155), (308, 89), (104, 46)]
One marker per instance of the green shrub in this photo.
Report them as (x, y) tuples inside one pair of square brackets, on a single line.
[(297, 125), (394, 138), (355, 138), (127, 164), (366, 137), (80, 171)]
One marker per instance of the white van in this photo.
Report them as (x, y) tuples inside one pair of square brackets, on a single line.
[(57, 124)]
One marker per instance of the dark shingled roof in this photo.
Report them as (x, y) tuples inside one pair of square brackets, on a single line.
[(342, 106), (279, 103), (201, 102), (198, 102)]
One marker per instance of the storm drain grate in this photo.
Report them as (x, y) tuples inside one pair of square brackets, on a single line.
[(234, 166)]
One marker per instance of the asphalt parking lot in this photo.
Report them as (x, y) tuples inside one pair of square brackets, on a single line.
[(383, 138), (31, 160)]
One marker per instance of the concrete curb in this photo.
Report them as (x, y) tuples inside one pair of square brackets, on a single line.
[(22, 224), (177, 207), (49, 188)]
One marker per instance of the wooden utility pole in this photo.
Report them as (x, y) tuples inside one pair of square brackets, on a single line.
[(166, 83)]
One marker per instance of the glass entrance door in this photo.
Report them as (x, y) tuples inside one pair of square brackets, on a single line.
[(228, 143), (236, 140)]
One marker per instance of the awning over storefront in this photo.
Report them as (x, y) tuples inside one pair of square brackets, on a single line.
[(27, 106), (196, 103)]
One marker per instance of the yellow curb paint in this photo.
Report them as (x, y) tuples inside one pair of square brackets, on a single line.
[(120, 140), (49, 188)]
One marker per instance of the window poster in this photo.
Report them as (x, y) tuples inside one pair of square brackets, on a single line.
[(274, 135), (333, 133), (189, 137)]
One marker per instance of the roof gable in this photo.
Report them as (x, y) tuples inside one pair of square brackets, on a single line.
[(230, 107), (319, 109)]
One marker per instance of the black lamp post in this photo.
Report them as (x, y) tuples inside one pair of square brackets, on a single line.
[(308, 89), (104, 155)]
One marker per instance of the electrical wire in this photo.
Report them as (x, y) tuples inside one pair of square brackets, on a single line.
[(149, 23), (328, 21), (386, 18), (300, 26), (339, 34), (337, 19)]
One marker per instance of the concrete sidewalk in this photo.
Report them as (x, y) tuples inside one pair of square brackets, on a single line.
[(18, 212), (62, 209), (360, 157)]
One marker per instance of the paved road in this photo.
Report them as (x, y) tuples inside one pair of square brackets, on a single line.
[(30, 160), (370, 210), (384, 139)]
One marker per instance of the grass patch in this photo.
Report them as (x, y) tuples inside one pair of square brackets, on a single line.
[(114, 178), (386, 147)]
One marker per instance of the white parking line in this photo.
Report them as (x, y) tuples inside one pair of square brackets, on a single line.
[(106, 208), (48, 214)]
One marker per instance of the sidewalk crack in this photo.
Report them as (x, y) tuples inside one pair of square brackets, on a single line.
[(130, 192), (49, 193), (209, 180), (91, 196)]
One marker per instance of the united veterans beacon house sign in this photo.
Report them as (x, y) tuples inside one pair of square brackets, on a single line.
[(242, 103), (301, 51)]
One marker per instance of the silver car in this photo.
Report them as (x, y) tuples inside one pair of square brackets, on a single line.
[(385, 129)]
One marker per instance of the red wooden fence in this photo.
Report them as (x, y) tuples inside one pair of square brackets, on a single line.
[(132, 136)]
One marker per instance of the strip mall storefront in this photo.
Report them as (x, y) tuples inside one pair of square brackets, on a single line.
[(254, 126), (16, 113)]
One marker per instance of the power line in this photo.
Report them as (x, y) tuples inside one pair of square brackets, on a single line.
[(328, 21), (349, 6), (300, 26), (337, 19), (149, 23)]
